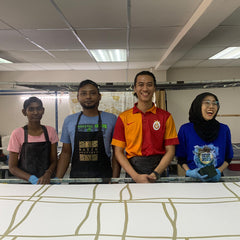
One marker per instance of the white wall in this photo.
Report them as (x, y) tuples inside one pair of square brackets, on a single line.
[(203, 74), (179, 101), (178, 104), (49, 77), (12, 117)]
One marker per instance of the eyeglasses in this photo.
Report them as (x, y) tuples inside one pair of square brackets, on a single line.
[(208, 103)]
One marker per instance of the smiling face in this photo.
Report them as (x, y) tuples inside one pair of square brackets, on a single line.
[(34, 112), (209, 107), (144, 88)]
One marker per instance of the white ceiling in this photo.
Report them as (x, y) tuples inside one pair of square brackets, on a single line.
[(158, 34)]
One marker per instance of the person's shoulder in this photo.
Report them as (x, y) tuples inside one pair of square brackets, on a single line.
[(72, 116), (109, 115), (224, 126), (126, 112), (162, 111), (17, 131), (186, 126), (50, 128)]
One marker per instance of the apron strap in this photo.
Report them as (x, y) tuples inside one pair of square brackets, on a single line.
[(99, 122), (76, 129), (45, 133), (25, 128)]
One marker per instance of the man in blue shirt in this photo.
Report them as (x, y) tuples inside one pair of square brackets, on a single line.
[(86, 138)]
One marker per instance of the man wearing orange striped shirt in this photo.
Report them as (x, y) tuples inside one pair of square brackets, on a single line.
[(146, 133)]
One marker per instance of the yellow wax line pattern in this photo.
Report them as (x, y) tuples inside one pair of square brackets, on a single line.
[(172, 221), (125, 222), (11, 228), (88, 211), (98, 222), (126, 196), (225, 185)]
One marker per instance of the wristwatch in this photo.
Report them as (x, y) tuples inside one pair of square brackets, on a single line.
[(156, 174)]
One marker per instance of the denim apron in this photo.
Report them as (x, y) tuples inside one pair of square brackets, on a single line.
[(89, 158), (35, 156)]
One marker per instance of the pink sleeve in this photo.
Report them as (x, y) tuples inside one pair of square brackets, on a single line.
[(16, 140)]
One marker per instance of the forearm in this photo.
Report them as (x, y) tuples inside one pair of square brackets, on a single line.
[(51, 168), (126, 165), (185, 167), (123, 161), (19, 173), (116, 168), (63, 164), (53, 160), (14, 169), (166, 159), (223, 166)]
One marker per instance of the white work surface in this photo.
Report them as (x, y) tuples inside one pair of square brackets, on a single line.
[(186, 211)]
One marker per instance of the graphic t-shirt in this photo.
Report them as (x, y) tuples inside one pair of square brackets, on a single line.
[(200, 153), (89, 124)]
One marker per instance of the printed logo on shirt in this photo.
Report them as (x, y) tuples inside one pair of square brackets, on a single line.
[(91, 127), (88, 150), (156, 125), (205, 155)]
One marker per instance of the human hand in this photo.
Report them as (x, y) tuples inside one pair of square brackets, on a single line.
[(143, 178), (216, 178), (33, 179), (152, 177), (195, 174), (45, 179)]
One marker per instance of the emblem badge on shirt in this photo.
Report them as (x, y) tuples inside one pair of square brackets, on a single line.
[(205, 155), (156, 125)]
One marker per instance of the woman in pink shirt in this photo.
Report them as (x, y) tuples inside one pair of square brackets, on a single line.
[(33, 148)]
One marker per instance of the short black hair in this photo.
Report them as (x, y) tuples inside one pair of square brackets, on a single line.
[(145, 73), (30, 100), (86, 82)]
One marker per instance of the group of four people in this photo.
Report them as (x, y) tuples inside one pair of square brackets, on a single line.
[(143, 139)]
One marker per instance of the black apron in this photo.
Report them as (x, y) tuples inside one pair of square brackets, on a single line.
[(35, 156), (89, 158), (145, 164)]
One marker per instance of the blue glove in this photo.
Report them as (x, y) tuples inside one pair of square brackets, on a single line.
[(58, 182), (33, 179), (216, 178), (195, 174)]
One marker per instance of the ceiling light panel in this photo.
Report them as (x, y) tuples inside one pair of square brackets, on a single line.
[(228, 53), (2, 60), (109, 55)]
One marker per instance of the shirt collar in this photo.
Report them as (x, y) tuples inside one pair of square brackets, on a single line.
[(153, 109)]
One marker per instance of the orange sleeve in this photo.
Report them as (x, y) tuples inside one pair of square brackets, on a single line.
[(171, 137)]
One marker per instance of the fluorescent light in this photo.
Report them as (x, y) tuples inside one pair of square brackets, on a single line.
[(109, 55), (228, 53), (2, 60)]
